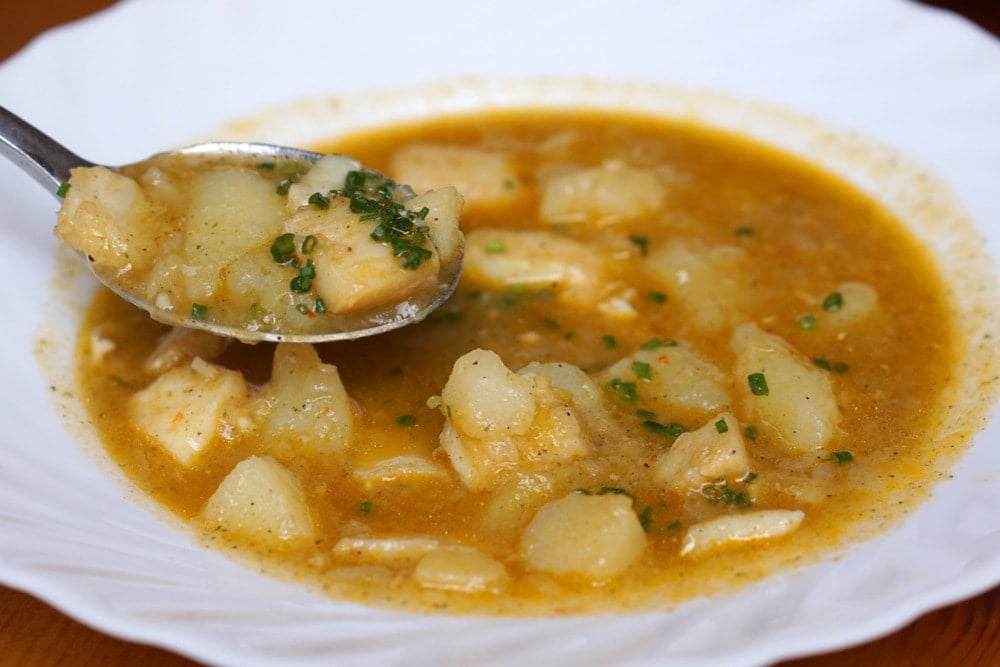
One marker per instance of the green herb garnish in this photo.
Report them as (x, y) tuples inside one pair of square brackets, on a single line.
[(758, 384)]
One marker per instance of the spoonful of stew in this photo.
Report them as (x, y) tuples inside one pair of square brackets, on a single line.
[(252, 241)]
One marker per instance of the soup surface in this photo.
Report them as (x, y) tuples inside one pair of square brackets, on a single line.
[(677, 361)]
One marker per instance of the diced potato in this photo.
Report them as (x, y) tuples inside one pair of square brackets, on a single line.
[(858, 302), (499, 420), (463, 570), (706, 282), (501, 258), (611, 192), (231, 212), (261, 499), (674, 378), (738, 529), (353, 271), (714, 451), (799, 402), (485, 399), (187, 408), (105, 216), (444, 207), (597, 537), (308, 405), (179, 346), (482, 177), (327, 173), (255, 278)]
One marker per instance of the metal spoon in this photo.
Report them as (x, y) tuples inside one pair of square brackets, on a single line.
[(49, 163)]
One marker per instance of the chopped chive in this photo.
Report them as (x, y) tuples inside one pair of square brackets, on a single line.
[(673, 429), (642, 370), (494, 246), (646, 414), (642, 242), (750, 433), (63, 189), (284, 185), (833, 301), (807, 322), (609, 341), (199, 312), (656, 296), (721, 426), (626, 391), (758, 384), (656, 342), (267, 166), (302, 308), (743, 231), (309, 244), (406, 420), (646, 517), (319, 200), (320, 307), (283, 248), (365, 507), (676, 525), (842, 457)]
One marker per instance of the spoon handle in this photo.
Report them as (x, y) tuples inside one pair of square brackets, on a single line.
[(38, 154)]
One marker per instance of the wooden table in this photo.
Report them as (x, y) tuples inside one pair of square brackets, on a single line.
[(32, 634)]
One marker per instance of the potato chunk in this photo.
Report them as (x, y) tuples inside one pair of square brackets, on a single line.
[(597, 537), (443, 209), (499, 420), (714, 451), (786, 392), (738, 529), (673, 379), (611, 192), (484, 398), (187, 408), (105, 216), (857, 302), (500, 259), (483, 177), (307, 405), (261, 499), (705, 281)]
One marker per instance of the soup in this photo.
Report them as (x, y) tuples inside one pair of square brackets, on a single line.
[(677, 361)]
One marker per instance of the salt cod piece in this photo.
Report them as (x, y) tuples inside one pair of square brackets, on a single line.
[(712, 452), (498, 420), (739, 529), (463, 570), (105, 217), (188, 408)]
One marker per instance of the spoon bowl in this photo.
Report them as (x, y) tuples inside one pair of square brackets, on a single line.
[(50, 164)]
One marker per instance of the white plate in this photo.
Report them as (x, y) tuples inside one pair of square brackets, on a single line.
[(149, 74)]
